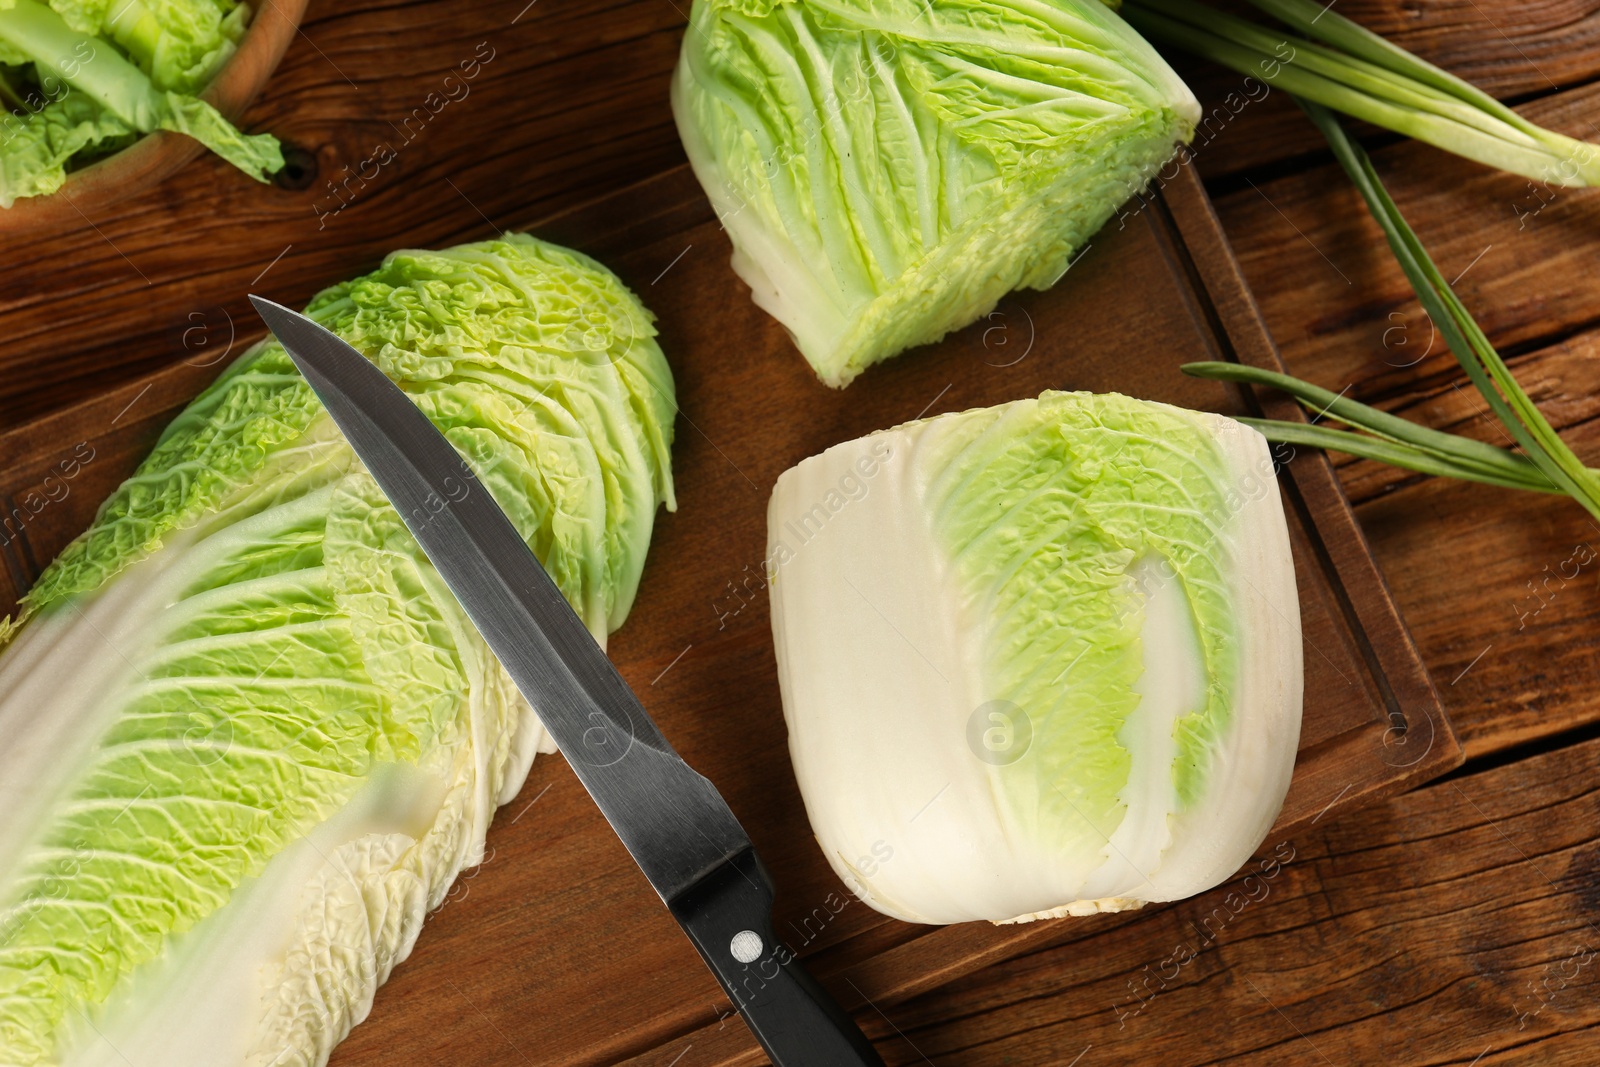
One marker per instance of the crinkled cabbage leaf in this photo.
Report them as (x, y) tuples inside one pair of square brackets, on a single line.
[(888, 169), (247, 736), (84, 78)]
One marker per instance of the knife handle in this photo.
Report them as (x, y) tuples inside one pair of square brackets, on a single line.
[(728, 917)]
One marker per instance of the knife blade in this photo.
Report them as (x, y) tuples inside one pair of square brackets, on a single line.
[(671, 819)]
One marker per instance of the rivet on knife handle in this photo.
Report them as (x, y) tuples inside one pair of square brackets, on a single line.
[(728, 916)]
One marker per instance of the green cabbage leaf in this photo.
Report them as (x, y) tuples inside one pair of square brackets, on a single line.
[(247, 736), (84, 78), (888, 169)]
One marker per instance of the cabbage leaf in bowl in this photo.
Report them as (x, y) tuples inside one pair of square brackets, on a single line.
[(83, 79)]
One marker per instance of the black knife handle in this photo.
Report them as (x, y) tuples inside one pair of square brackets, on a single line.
[(728, 916)]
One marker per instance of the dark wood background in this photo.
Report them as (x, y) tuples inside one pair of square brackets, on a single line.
[(1454, 925)]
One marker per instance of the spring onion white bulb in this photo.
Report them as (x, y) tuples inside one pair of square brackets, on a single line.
[(1038, 659)]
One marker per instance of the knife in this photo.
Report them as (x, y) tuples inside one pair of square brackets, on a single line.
[(678, 828)]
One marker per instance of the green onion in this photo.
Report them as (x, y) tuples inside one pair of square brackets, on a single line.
[(1545, 463), (1512, 471), (1396, 441), (1353, 70)]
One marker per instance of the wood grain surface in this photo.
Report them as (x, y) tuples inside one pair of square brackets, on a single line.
[(1450, 926)]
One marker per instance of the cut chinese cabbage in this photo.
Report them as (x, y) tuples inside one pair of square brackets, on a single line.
[(1037, 659), (247, 737), (888, 169)]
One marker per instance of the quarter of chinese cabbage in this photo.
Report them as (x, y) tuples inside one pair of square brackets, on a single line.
[(888, 169)]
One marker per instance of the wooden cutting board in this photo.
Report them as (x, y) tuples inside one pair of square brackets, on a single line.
[(556, 950)]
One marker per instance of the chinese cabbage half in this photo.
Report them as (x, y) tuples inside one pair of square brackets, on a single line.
[(247, 737), (1038, 659), (888, 169)]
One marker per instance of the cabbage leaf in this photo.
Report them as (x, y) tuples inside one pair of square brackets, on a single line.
[(247, 737), (84, 79), (888, 169)]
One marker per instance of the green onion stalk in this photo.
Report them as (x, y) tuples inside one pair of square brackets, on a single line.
[(1344, 66), (1543, 463)]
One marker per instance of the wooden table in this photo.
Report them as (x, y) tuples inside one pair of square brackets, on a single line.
[(1453, 925)]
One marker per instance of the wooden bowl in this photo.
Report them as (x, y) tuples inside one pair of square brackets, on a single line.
[(87, 193)]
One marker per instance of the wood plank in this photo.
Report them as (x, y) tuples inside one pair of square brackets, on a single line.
[(1510, 649), (133, 286), (1338, 303), (1448, 924), (364, 81), (1513, 647), (559, 916)]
